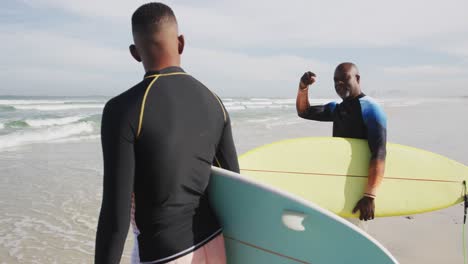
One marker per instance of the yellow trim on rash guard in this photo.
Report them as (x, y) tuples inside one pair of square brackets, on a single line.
[(143, 105), (220, 104), (155, 76), (217, 161), (166, 74)]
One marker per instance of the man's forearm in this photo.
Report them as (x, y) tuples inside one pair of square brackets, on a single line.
[(302, 100), (110, 237), (376, 174)]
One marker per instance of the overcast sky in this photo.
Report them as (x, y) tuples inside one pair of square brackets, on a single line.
[(240, 48)]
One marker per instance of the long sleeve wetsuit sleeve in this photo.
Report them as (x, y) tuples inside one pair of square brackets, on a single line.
[(226, 155), (319, 112), (117, 138), (375, 121)]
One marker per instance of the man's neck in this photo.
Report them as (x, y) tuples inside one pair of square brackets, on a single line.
[(356, 94), (161, 64), (353, 97)]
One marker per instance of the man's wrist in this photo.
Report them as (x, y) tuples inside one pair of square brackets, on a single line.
[(370, 190), (303, 87)]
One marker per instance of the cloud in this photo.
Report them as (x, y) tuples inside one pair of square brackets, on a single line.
[(231, 73), (47, 63), (106, 9), (42, 48), (424, 80), (459, 48), (241, 48), (436, 71), (261, 68), (297, 23), (74, 65)]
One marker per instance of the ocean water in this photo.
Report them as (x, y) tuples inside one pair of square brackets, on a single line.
[(32, 120), (29, 120), (51, 170)]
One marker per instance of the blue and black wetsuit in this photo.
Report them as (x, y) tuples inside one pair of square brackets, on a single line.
[(159, 141), (360, 117)]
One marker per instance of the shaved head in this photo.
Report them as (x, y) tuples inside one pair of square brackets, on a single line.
[(347, 80), (347, 67)]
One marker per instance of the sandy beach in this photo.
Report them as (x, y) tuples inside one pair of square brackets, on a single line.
[(50, 192)]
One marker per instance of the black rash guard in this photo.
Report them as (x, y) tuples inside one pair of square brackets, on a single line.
[(159, 141), (359, 117)]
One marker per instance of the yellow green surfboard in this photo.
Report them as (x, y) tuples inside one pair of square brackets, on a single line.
[(332, 173)]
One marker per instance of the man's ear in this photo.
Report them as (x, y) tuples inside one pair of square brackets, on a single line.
[(358, 78), (181, 43), (134, 52)]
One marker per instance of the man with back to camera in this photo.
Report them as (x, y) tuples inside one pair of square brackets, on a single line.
[(159, 140), (357, 116)]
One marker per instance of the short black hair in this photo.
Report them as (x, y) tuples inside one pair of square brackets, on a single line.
[(151, 16)]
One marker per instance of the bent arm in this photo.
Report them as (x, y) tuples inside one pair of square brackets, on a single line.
[(376, 123)]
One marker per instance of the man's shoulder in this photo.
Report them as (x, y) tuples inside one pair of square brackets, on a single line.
[(128, 99), (368, 99), (331, 105), (371, 108), (370, 103)]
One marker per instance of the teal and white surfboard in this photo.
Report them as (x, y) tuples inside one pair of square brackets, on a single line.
[(265, 225)]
